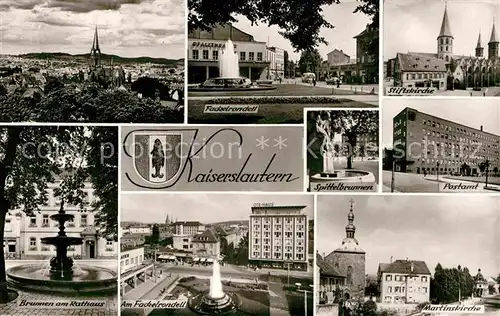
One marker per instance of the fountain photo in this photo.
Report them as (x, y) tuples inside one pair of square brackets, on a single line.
[(342, 150), (225, 254), (265, 63), (58, 213)]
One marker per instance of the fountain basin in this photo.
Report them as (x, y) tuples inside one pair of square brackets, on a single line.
[(230, 84), (203, 304), (334, 181), (86, 280)]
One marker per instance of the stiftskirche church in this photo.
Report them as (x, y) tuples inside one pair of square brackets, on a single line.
[(444, 70), (349, 261), (107, 77)]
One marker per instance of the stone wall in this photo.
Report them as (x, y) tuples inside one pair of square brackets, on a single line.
[(342, 260)]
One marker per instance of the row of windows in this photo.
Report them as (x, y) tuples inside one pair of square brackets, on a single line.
[(46, 222), (461, 130), (458, 138), (277, 220), (286, 256), (34, 242), (135, 261), (205, 54), (445, 162), (461, 148), (414, 76), (397, 277), (447, 41), (401, 289)]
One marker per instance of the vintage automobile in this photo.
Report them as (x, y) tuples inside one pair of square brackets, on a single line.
[(333, 81)]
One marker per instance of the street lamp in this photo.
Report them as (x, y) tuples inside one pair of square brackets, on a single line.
[(305, 298), (391, 154), (487, 164), (437, 175)]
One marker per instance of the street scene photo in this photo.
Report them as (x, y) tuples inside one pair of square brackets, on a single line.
[(231, 254), (263, 62), (59, 220), (441, 48), (447, 146), (342, 150), (407, 255), (94, 61)]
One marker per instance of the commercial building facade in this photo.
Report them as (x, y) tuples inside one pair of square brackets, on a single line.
[(278, 237), (423, 142), (404, 282), (23, 233), (204, 51)]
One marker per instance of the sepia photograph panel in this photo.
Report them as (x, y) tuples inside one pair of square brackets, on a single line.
[(444, 48), (445, 146), (405, 255), (231, 254), (212, 158), (59, 220), (264, 62), (95, 61), (342, 150)]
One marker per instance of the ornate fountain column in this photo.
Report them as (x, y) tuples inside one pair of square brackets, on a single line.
[(61, 267)]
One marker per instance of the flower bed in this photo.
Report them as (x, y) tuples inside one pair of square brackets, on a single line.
[(278, 100)]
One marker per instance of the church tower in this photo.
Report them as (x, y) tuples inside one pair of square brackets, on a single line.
[(493, 44), (349, 259), (479, 47), (95, 52), (445, 39)]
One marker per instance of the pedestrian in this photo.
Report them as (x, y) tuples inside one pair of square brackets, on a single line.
[(425, 173), (314, 82)]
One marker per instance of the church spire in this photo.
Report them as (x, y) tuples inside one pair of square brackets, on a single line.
[(95, 45), (494, 36), (445, 25), (479, 41), (350, 229), (479, 47)]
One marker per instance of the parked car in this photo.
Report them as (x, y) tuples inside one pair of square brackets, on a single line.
[(333, 81)]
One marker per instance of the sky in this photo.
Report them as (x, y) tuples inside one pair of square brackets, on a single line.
[(347, 25), (205, 208), (472, 113), (449, 229), (413, 25), (127, 28)]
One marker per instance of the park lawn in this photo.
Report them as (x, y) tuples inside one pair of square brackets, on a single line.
[(296, 302), (283, 90), (266, 114)]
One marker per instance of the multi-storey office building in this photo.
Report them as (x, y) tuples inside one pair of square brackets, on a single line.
[(278, 237), (423, 142), (23, 233)]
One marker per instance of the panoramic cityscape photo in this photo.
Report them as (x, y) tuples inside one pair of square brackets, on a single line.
[(264, 64), (256, 259), (95, 61)]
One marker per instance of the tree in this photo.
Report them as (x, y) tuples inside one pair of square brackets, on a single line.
[(483, 166), (155, 236), (300, 21), (241, 256), (62, 103), (30, 158), (498, 279), (371, 8), (354, 124), (369, 308), (310, 61), (286, 62)]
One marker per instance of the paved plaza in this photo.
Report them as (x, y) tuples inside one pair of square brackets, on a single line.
[(417, 183)]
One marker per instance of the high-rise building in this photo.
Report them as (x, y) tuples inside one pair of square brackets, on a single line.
[(424, 142), (278, 237)]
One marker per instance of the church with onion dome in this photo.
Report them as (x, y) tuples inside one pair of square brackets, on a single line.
[(349, 260), (445, 70)]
